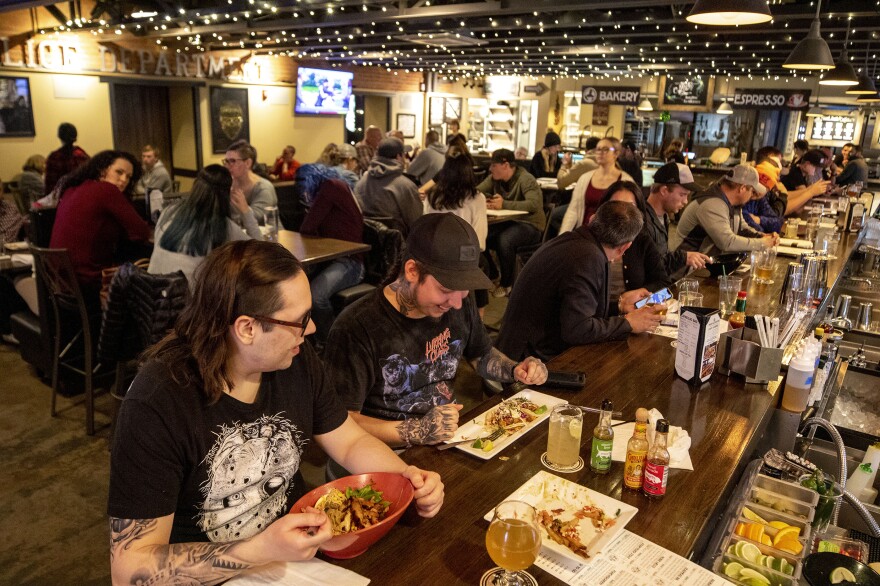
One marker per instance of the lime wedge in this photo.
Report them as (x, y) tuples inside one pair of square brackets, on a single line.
[(575, 427), (841, 574), (732, 549), (750, 573), (738, 548), (753, 582), (733, 569), (787, 568), (751, 552), (829, 546), (767, 561)]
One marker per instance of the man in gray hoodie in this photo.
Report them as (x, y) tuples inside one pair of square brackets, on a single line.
[(430, 160), (384, 193)]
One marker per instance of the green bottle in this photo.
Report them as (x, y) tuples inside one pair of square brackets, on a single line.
[(603, 440)]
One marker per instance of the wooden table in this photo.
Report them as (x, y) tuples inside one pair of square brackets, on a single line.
[(725, 419), (498, 216), (315, 249)]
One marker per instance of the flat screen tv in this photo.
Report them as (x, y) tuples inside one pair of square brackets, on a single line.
[(323, 91)]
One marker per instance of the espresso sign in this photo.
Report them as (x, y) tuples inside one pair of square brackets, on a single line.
[(610, 95), (764, 99)]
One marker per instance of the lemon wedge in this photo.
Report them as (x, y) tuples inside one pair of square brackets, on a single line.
[(841, 574)]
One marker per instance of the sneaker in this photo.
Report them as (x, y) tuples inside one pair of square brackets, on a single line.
[(500, 291)]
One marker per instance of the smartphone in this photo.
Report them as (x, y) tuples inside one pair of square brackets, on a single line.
[(655, 297), (569, 380)]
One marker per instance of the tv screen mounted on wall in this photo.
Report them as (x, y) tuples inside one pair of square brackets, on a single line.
[(323, 91)]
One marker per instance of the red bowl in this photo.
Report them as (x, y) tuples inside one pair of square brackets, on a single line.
[(394, 488)]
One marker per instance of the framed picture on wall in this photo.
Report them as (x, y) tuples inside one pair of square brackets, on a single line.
[(16, 107), (406, 123), (682, 91), (229, 117)]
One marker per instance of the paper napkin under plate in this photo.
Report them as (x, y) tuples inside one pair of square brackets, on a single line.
[(313, 572)]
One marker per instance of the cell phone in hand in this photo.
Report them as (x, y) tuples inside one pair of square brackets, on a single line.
[(655, 298)]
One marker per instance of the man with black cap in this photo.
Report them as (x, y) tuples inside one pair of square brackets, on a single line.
[(713, 222), (673, 184), (384, 193), (546, 161), (510, 187), (806, 171), (393, 354)]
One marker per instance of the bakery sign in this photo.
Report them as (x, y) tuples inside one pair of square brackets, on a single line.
[(771, 99), (609, 94)]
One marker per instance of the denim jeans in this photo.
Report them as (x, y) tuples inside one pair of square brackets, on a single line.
[(504, 238), (338, 275)]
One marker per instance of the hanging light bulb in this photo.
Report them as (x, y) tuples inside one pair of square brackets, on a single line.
[(725, 109), (843, 73), (729, 12), (645, 106), (812, 52)]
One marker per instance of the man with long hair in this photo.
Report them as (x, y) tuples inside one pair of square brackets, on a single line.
[(209, 439)]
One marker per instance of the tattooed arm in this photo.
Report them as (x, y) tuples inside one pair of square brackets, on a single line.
[(494, 365), (140, 552), (438, 424)]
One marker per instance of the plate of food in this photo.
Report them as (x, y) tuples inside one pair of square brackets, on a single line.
[(576, 522), (504, 423)]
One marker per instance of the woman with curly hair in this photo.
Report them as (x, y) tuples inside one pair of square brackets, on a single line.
[(95, 216)]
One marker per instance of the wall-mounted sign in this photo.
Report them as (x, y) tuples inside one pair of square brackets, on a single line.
[(686, 92), (501, 85), (833, 128), (600, 114), (771, 99), (608, 94)]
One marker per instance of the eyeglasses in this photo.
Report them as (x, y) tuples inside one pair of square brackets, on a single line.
[(305, 321), (605, 149), (228, 162)]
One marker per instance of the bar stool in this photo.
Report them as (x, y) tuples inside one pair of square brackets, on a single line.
[(70, 313)]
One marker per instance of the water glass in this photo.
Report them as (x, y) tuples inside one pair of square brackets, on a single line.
[(689, 299), (688, 284), (564, 437), (272, 223), (794, 288), (728, 287), (791, 228)]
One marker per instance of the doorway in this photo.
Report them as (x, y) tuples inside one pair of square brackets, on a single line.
[(141, 116)]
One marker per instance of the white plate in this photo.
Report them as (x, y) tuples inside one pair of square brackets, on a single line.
[(546, 491), (474, 428), (17, 246)]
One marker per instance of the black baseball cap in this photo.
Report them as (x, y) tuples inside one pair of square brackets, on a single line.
[(816, 157), (675, 174), (449, 249), (504, 156)]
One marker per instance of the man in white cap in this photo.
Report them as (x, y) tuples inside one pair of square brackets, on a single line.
[(673, 184), (713, 222)]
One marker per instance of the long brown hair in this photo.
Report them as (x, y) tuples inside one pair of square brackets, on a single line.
[(237, 278)]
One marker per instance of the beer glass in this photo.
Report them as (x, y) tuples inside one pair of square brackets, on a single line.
[(766, 258), (513, 542), (564, 437), (271, 223), (689, 299)]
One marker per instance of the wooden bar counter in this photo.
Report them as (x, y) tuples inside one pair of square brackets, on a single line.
[(724, 417)]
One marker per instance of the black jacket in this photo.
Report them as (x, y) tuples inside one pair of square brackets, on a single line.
[(642, 267), (658, 230)]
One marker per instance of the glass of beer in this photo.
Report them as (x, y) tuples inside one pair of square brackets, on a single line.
[(513, 542), (564, 438), (791, 228), (766, 261)]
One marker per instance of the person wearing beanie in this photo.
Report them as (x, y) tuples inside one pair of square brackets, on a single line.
[(384, 193), (64, 160), (546, 161), (394, 353)]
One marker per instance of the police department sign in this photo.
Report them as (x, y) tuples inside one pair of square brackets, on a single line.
[(607, 94)]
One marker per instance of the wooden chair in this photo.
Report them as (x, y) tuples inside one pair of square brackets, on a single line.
[(70, 314), (524, 253)]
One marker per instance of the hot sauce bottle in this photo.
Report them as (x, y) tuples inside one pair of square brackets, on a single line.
[(603, 440), (657, 463), (738, 319), (636, 451)]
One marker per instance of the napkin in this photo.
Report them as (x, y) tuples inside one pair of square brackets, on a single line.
[(313, 572), (678, 442), (25, 259)]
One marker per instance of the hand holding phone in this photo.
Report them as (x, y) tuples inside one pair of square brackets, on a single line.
[(655, 298)]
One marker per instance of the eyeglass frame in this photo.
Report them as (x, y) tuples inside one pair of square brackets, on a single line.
[(228, 162), (605, 150), (307, 318)]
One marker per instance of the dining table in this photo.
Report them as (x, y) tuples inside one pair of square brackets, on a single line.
[(725, 418), (311, 250)]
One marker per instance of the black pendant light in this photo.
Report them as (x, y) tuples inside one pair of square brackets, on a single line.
[(730, 12), (812, 52), (866, 84), (869, 98), (843, 73)]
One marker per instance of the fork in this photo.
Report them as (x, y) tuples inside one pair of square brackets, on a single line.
[(492, 436)]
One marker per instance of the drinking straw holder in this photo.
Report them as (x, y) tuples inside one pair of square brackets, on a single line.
[(740, 352)]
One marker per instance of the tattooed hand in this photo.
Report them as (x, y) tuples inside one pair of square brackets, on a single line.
[(437, 425), (531, 371)]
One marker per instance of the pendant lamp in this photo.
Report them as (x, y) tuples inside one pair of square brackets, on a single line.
[(869, 98), (866, 84), (843, 73), (729, 12), (812, 52), (645, 106), (815, 111), (725, 109)]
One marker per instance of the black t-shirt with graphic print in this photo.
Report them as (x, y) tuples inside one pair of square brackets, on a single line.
[(390, 366), (225, 470)]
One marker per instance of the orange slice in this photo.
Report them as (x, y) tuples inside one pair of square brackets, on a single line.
[(792, 546), (786, 534)]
